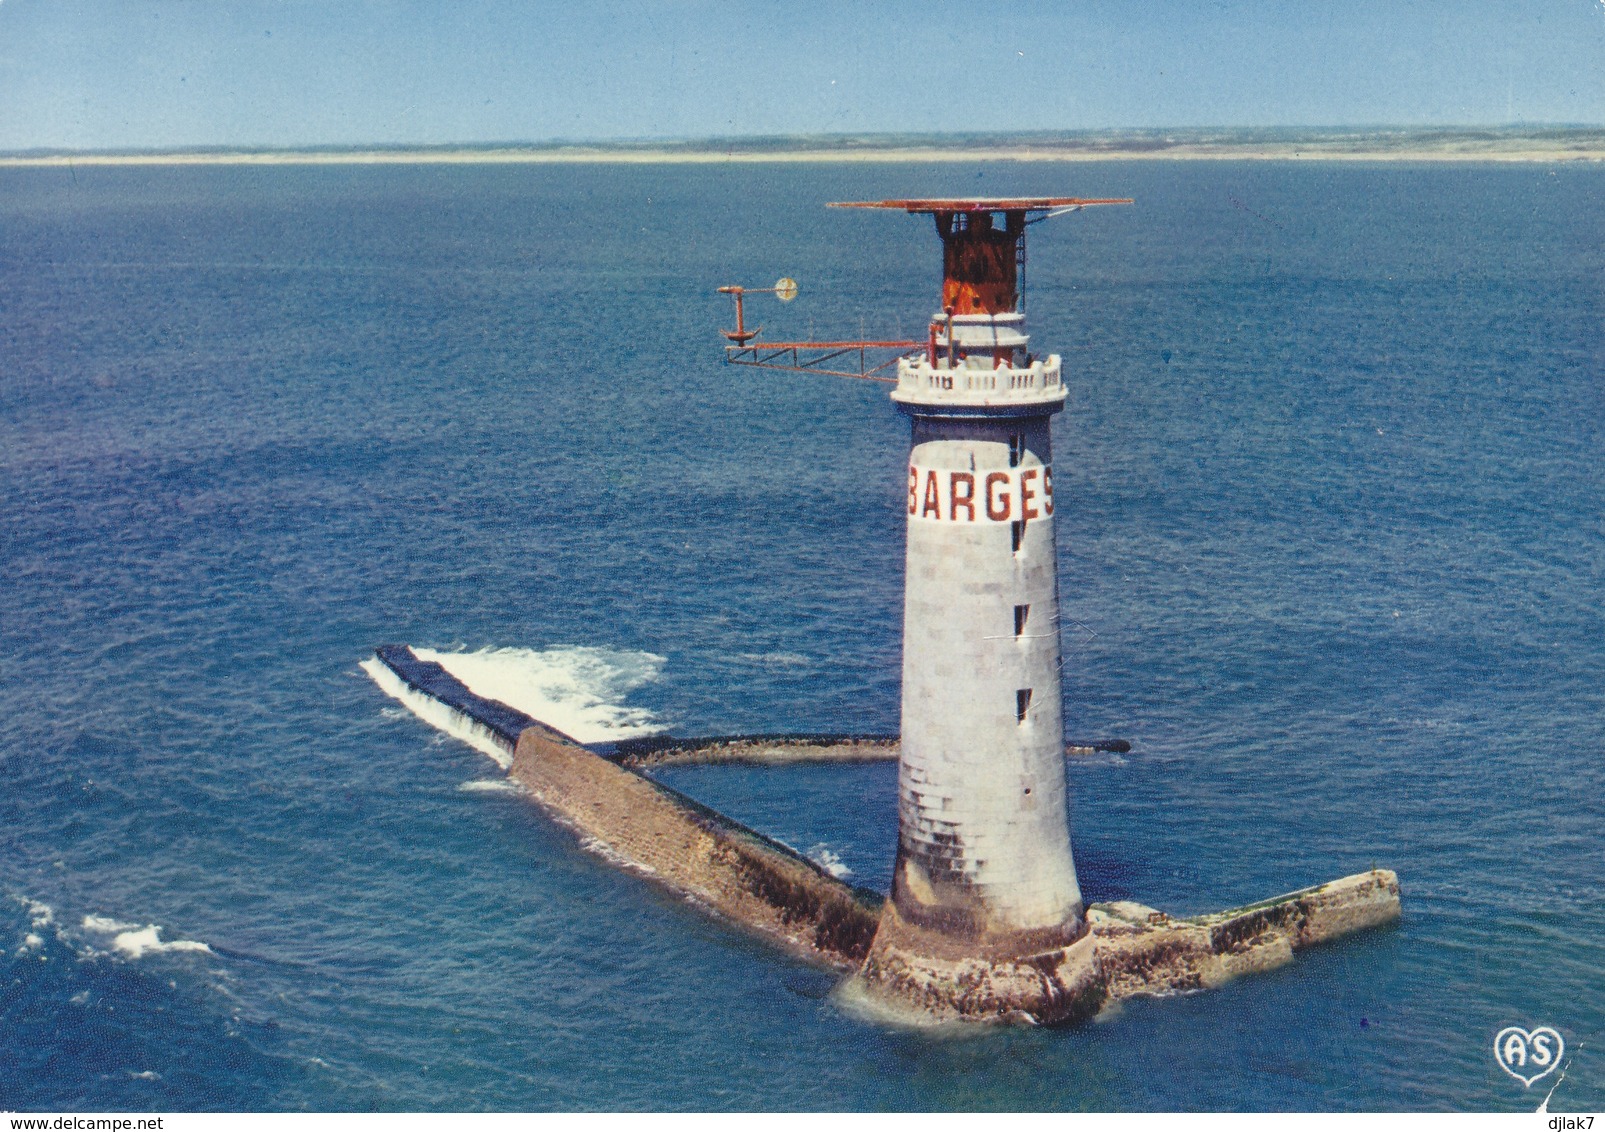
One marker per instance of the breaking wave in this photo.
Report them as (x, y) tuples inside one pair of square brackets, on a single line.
[(438, 715), (491, 786), (829, 860), (131, 941), (574, 689), (577, 690), (135, 940)]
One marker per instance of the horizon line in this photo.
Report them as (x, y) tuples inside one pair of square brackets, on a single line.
[(1555, 141)]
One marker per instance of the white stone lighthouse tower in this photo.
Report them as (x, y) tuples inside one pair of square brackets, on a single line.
[(985, 917)]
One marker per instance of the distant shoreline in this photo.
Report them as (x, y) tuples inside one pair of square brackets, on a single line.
[(1496, 146)]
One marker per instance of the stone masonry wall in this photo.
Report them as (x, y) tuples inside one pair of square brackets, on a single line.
[(758, 883)]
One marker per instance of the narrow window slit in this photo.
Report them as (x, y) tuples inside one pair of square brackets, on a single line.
[(1022, 704), (1021, 612), (1017, 529), (1016, 448)]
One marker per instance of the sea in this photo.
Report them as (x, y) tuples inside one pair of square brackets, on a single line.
[(1331, 560)]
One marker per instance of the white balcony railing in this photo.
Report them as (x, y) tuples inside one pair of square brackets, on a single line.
[(979, 384)]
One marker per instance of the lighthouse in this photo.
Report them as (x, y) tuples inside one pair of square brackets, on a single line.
[(985, 917)]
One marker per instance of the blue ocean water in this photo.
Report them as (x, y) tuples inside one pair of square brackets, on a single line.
[(1331, 558)]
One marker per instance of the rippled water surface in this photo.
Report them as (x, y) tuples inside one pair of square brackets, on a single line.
[(1331, 557)]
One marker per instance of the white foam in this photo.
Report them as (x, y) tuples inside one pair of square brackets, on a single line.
[(854, 998), (135, 941), (826, 859), (41, 922), (40, 914), (577, 690), (613, 857), (491, 786), (438, 715), (106, 925), (1102, 760), (135, 944), (777, 659)]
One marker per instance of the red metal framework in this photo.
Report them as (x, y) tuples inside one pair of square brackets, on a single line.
[(982, 260), (981, 204), (983, 272), (744, 351), (769, 355)]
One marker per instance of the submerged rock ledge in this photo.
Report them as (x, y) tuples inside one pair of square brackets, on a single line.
[(783, 750)]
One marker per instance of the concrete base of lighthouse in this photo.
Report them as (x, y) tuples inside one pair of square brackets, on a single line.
[(985, 920), (1035, 977)]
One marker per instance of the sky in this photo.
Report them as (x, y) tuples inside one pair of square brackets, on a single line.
[(153, 74)]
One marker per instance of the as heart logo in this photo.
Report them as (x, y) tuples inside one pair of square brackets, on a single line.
[(1528, 1054)]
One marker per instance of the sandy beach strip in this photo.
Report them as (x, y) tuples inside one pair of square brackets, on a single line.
[(1591, 150)]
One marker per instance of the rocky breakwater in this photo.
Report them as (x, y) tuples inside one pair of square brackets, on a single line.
[(1142, 951), (737, 873), (768, 889), (1129, 949)]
